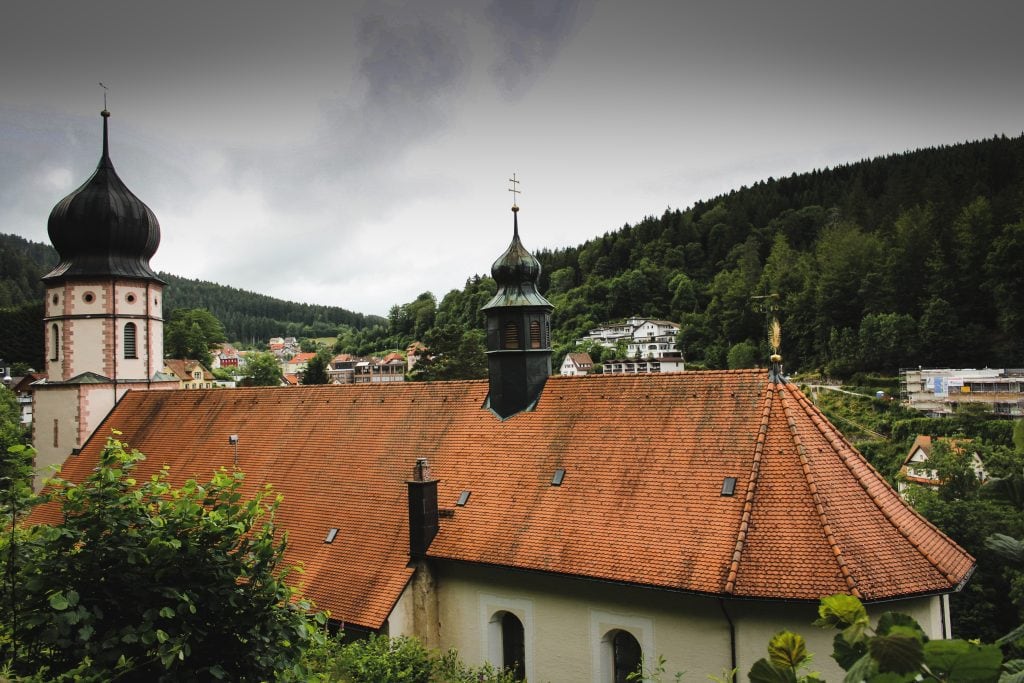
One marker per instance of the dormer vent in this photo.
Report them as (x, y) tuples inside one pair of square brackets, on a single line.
[(728, 486)]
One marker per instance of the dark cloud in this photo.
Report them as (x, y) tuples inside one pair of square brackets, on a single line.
[(529, 34)]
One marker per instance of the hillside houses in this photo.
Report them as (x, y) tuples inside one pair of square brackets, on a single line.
[(650, 346), (348, 369), (644, 337)]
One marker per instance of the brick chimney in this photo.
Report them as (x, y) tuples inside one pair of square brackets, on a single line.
[(423, 524)]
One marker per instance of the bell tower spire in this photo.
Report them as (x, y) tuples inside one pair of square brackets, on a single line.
[(103, 313), (518, 328)]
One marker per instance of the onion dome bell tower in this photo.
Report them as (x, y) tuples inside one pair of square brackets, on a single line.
[(102, 320), (103, 300), (518, 330)]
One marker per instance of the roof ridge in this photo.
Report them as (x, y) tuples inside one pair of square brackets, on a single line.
[(748, 502), (812, 487), (833, 436)]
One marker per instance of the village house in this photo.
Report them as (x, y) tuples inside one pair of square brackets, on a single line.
[(938, 392), (917, 470), (190, 373), (226, 357), (632, 366), (23, 392), (296, 365), (576, 364), (569, 528)]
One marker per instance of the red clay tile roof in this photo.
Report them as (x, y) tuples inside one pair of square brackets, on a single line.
[(183, 368), (581, 359), (644, 458)]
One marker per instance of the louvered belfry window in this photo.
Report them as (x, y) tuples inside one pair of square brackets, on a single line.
[(511, 336), (535, 334), (129, 340)]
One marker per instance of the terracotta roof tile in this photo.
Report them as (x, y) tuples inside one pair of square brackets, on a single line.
[(644, 458)]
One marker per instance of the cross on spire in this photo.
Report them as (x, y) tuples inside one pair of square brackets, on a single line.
[(514, 190), (105, 89)]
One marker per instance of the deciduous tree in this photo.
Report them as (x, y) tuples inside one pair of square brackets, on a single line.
[(262, 369), (148, 582), (193, 333)]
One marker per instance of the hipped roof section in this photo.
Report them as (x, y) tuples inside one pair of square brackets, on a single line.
[(644, 457)]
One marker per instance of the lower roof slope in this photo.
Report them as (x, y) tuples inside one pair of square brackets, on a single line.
[(644, 458)]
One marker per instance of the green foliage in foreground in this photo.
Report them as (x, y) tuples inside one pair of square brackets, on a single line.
[(896, 650), (147, 582), (396, 660)]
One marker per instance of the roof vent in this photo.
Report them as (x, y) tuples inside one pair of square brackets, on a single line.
[(559, 476), (463, 498), (728, 486), (331, 533)]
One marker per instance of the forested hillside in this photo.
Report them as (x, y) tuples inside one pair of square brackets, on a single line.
[(246, 316), (249, 317), (912, 259)]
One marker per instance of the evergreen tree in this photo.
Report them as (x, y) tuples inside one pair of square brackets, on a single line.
[(316, 368)]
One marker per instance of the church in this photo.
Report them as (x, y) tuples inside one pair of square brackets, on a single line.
[(570, 528)]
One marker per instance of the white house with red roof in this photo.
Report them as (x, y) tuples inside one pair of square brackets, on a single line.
[(577, 364)]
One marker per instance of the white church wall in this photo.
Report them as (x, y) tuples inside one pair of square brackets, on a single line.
[(566, 623), (55, 429)]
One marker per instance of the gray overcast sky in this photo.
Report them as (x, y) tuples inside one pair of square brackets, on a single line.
[(357, 154)]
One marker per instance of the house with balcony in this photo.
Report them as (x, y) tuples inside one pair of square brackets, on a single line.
[(645, 337), (938, 392)]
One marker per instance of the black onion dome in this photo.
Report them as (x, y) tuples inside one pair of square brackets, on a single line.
[(516, 272), (102, 229)]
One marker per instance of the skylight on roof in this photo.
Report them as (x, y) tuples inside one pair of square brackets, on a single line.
[(331, 533), (728, 486), (463, 498), (559, 476)]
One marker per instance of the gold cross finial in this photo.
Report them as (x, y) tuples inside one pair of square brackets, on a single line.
[(514, 190)]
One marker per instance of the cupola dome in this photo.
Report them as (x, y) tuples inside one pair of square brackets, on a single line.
[(102, 229), (516, 273)]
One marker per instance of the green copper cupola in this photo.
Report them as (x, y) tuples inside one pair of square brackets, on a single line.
[(518, 330)]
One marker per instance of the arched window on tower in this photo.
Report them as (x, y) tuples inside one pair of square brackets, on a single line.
[(54, 342), (129, 340), (535, 342), (511, 337), (623, 656), (507, 630)]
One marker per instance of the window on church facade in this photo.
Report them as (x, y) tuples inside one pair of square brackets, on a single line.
[(626, 656), (54, 342), (535, 335), (513, 645), (129, 340), (511, 339)]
